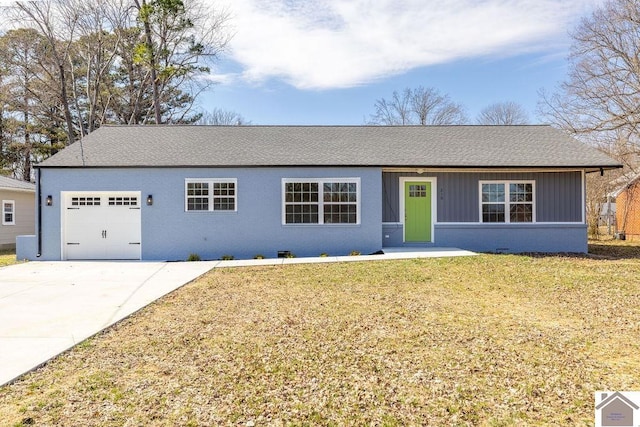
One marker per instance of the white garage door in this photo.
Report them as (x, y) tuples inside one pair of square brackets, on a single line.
[(101, 225)]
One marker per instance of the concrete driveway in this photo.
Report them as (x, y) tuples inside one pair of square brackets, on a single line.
[(48, 307)]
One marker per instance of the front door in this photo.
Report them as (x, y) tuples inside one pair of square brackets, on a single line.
[(417, 211)]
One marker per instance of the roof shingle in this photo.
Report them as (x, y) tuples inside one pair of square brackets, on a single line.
[(14, 184), (387, 146)]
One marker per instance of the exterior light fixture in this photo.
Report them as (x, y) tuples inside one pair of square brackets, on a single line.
[(49, 200), (149, 200)]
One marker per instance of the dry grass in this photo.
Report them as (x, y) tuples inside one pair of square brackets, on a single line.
[(7, 257), (487, 340)]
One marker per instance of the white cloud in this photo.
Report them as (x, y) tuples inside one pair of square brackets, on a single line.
[(322, 44), (221, 78)]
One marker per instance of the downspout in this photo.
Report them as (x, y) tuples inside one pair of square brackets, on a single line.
[(39, 215)]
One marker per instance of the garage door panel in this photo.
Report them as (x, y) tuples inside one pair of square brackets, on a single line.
[(123, 232), (102, 226)]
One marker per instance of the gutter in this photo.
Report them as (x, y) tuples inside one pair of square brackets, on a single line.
[(591, 168), (39, 253)]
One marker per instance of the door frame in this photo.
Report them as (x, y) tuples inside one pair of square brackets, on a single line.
[(434, 208), (66, 195)]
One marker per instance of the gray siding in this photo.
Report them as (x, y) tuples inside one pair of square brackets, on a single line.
[(24, 217), (170, 233), (558, 195)]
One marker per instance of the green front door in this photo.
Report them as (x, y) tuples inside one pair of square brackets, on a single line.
[(417, 211)]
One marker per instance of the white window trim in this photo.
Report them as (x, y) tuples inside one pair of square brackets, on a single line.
[(507, 203), (320, 182), (13, 212), (211, 181)]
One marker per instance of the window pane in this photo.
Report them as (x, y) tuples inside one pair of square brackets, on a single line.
[(521, 212), (224, 204), (492, 193), (301, 203), (198, 204), (492, 213), (197, 189), (340, 214), (521, 192), (418, 190)]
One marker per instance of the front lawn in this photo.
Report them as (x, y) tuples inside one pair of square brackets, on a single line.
[(7, 257), (492, 339)]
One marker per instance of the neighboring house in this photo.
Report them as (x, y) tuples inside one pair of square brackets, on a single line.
[(18, 210), (164, 192), (627, 201)]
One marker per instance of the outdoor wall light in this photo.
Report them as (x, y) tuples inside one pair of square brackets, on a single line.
[(49, 200), (149, 200)]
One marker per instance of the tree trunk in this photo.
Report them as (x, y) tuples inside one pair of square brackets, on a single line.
[(152, 65), (65, 104)]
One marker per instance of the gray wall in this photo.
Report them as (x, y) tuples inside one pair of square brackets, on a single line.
[(24, 217), (168, 232), (558, 195)]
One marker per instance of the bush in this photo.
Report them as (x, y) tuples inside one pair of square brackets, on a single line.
[(354, 253), (227, 257), (193, 257), (324, 255), (259, 256)]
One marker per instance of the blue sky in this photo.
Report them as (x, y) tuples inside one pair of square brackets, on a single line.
[(327, 61)]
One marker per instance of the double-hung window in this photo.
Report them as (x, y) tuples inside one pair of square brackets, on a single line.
[(507, 201), (321, 201), (208, 195), (8, 212)]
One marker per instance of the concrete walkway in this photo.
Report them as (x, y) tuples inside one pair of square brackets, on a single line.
[(48, 307)]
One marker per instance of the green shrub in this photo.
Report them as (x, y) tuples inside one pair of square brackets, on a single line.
[(354, 253), (227, 257), (290, 255), (324, 255), (193, 257), (259, 256)]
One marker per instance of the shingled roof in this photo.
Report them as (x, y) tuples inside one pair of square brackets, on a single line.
[(387, 146), (14, 184)]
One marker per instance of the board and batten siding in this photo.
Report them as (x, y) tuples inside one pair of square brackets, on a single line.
[(558, 195)]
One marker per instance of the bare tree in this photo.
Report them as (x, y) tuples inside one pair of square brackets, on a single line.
[(221, 117), (419, 106), (93, 56), (58, 29), (503, 113), (600, 100)]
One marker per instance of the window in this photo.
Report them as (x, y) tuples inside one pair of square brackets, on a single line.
[(507, 201), (419, 190), (85, 201), (8, 212), (123, 201), (321, 201), (210, 195)]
